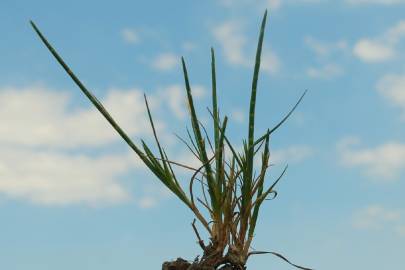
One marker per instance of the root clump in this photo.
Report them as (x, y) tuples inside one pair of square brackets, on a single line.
[(181, 264)]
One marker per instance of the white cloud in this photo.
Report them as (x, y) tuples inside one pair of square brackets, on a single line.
[(381, 48), (189, 46), (291, 154), (233, 41), (381, 2), (375, 217), (153, 195), (325, 49), (385, 162), (373, 51), (56, 178), (187, 158), (37, 116), (392, 87), (166, 62), (175, 97), (270, 62), (41, 134), (176, 100), (147, 202), (237, 115), (272, 5), (396, 33), (227, 3), (130, 35), (380, 218), (400, 229), (325, 72)]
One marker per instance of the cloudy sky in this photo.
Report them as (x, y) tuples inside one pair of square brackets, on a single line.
[(73, 196)]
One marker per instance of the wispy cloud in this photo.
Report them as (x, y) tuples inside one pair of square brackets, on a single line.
[(323, 48), (231, 39), (166, 61), (41, 131), (272, 5), (237, 115), (373, 51), (381, 48), (230, 35), (325, 72), (325, 52), (130, 35), (152, 196), (400, 229), (385, 162), (380, 218), (37, 116), (174, 97), (392, 88), (291, 154), (50, 177), (379, 2), (189, 46)]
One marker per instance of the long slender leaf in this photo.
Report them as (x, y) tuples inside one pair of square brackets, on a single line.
[(265, 160), (88, 94), (281, 257), (250, 151), (214, 98), (199, 140)]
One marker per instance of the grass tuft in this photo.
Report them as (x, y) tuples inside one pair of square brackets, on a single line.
[(232, 193)]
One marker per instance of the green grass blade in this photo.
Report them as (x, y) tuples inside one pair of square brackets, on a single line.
[(281, 257), (265, 160), (214, 98), (162, 155), (219, 159), (193, 144), (187, 145), (270, 131), (250, 151), (88, 94), (288, 114), (149, 159), (270, 189), (234, 153), (199, 140)]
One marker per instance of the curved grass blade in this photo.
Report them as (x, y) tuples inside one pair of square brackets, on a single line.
[(280, 256), (289, 113)]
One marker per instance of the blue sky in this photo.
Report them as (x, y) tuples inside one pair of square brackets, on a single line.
[(72, 196)]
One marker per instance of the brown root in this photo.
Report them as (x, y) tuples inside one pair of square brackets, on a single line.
[(181, 264), (211, 260)]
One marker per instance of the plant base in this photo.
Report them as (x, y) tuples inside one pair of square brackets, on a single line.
[(181, 264)]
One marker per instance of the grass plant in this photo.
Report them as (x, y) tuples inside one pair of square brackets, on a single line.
[(232, 190)]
